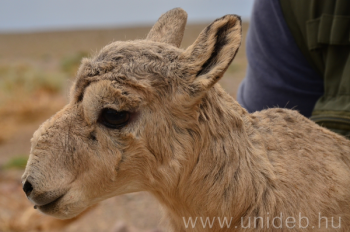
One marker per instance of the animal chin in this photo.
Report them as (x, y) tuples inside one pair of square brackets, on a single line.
[(52, 208), (62, 208)]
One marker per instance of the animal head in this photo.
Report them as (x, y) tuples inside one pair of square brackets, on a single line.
[(131, 119)]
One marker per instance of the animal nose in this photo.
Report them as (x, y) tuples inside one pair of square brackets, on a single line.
[(27, 188)]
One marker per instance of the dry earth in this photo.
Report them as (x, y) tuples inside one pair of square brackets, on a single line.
[(21, 114)]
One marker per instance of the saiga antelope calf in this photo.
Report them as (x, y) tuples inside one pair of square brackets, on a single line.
[(146, 115)]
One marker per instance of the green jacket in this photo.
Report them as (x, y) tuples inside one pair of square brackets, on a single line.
[(321, 29)]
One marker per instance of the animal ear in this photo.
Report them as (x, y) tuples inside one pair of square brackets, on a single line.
[(210, 55), (169, 28)]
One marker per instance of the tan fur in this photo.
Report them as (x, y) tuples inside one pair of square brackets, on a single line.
[(160, 31), (188, 142)]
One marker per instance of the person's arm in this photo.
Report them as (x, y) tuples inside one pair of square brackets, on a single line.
[(278, 74)]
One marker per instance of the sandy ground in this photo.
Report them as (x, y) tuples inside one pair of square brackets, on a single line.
[(138, 211)]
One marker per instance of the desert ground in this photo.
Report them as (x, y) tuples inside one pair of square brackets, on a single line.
[(36, 70)]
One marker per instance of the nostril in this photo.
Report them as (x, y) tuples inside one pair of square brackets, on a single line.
[(27, 188)]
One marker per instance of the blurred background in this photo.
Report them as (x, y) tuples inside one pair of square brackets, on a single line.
[(41, 45)]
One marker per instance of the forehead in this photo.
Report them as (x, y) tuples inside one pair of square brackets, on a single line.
[(129, 63)]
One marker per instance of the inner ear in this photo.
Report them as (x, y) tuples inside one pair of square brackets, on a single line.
[(221, 41), (169, 28), (209, 56)]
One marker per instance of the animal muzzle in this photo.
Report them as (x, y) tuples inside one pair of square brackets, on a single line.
[(38, 196)]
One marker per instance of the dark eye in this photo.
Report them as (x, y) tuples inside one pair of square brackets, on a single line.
[(114, 119)]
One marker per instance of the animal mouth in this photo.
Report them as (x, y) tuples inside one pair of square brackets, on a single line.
[(48, 205)]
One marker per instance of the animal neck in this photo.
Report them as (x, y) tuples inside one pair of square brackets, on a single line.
[(227, 170)]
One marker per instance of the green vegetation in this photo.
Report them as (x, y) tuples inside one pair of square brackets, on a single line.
[(29, 79), (70, 64), (18, 162)]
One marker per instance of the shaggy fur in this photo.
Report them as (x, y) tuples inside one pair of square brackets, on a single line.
[(187, 142)]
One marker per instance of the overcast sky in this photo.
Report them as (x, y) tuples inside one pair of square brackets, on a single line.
[(38, 15)]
